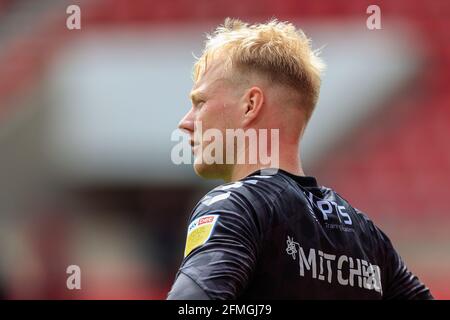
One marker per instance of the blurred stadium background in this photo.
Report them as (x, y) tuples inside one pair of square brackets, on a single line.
[(86, 118)]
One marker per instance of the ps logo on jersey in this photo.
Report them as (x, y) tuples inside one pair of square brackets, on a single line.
[(199, 232)]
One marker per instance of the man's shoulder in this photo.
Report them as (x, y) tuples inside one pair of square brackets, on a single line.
[(252, 193)]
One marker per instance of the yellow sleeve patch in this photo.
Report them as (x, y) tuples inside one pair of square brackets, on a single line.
[(199, 232)]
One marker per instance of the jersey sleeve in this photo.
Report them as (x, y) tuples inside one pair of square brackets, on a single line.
[(401, 283), (184, 288), (222, 245)]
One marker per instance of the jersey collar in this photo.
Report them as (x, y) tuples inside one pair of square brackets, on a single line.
[(305, 181)]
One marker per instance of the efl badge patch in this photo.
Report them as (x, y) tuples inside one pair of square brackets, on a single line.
[(199, 232)]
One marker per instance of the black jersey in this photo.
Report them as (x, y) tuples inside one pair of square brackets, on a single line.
[(282, 236)]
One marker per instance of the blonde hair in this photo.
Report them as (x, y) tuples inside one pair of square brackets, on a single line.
[(275, 49)]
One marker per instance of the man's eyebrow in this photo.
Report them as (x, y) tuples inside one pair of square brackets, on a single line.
[(195, 96)]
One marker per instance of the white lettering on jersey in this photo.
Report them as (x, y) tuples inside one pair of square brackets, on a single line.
[(328, 207), (323, 266)]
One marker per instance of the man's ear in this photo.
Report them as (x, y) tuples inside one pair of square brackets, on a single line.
[(253, 102)]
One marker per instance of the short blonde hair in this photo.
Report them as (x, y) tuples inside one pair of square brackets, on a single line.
[(276, 49)]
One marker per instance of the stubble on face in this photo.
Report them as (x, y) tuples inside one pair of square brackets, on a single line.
[(217, 112)]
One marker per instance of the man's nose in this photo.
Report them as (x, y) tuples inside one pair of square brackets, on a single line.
[(187, 123)]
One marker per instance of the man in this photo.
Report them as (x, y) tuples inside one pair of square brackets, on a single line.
[(271, 232)]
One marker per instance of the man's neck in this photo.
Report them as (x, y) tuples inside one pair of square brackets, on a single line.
[(289, 161)]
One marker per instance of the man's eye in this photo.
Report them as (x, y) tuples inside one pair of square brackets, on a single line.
[(198, 104)]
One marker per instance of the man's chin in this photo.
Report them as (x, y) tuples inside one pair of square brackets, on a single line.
[(209, 171)]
